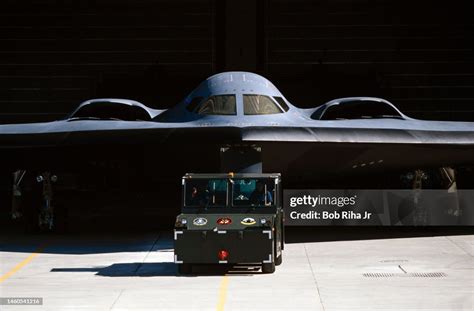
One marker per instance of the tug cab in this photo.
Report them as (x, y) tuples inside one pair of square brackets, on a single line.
[(230, 219)]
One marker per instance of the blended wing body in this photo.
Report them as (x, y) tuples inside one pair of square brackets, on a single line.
[(244, 108)]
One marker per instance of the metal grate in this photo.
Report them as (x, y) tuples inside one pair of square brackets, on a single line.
[(412, 275)]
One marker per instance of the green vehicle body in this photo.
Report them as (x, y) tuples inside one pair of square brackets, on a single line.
[(224, 226)]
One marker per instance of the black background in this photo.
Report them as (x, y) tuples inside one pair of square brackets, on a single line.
[(55, 54)]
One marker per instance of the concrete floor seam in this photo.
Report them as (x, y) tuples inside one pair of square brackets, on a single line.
[(458, 246), (118, 297), (314, 277), (148, 253)]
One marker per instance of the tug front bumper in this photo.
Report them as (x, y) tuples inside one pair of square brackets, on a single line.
[(224, 246)]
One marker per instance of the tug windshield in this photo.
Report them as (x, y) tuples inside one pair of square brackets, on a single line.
[(229, 192), (205, 193), (255, 192)]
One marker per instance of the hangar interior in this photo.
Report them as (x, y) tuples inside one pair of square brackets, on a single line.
[(418, 55)]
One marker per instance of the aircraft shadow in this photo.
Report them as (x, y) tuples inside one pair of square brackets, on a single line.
[(75, 244), (81, 244)]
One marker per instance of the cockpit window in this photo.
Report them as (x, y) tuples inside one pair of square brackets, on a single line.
[(218, 105), (259, 104), (281, 102)]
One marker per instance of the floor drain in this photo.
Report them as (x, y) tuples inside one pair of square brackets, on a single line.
[(405, 275)]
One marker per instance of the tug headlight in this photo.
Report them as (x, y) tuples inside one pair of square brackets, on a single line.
[(180, 223)]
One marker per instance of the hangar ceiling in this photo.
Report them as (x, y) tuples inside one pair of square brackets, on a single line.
[(418, 54)]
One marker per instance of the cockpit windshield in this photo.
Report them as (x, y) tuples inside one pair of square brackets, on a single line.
[(218, 105), (259, 104)]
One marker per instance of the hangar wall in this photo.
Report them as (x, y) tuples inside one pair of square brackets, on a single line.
[(58, 53), (419, 54)]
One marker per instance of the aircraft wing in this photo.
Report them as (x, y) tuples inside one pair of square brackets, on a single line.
[(325, 147), (349, 131), (368, 132), (238, 108)]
